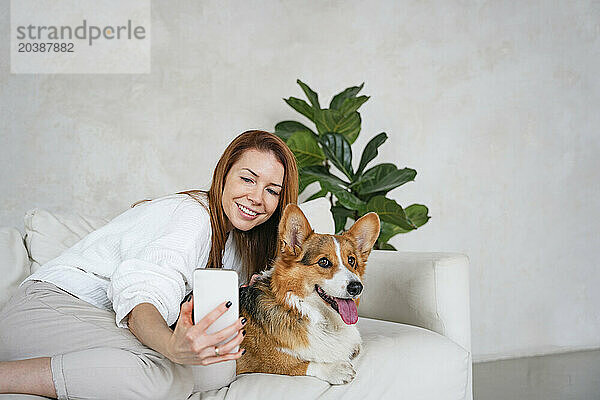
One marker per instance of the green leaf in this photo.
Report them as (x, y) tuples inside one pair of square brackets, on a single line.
[(305, 180), (417, 214), (306, 149), (285, 129), (352, 104), (321, 174), (334, 121), (340, 216), (338, 151), (344, 197), (390, 230), (302, 107), (370, 151), (386, 246), (382, 178), (390, 211), (310, 94), (319, 194), (339, 98)]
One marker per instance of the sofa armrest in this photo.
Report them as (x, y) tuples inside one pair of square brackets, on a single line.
[(429, 290)]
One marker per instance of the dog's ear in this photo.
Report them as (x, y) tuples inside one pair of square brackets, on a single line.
[(365, 232), (293, 229)]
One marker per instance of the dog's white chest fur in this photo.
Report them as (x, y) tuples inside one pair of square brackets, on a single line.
[(330, 339), (331, 342)]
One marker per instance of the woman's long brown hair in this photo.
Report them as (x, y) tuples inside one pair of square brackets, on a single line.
[(258, 246)]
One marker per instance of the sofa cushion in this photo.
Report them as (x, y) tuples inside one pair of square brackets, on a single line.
[(48, 234), (14, 262), (397, 362)]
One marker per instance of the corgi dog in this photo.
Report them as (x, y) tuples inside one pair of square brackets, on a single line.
[(301, 312)]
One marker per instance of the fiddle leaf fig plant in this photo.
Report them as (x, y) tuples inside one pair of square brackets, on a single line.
[(352, 193)]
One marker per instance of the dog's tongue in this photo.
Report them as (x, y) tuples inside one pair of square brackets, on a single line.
[(347, 309)]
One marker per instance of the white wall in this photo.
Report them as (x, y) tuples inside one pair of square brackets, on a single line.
[(495, 104)]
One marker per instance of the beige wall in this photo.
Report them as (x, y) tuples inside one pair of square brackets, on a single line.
[(494, 103)]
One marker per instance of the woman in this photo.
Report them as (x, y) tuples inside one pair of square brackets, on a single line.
[(58, 336)]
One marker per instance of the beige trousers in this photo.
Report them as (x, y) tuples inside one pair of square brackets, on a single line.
[(91, 358)]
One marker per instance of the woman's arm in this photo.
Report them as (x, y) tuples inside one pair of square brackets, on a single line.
[(189, 343), (146, 323)]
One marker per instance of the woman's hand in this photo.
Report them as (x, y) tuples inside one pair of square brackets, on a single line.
[(190, 344)]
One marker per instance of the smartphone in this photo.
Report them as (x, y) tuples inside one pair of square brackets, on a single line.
[(213, 286)]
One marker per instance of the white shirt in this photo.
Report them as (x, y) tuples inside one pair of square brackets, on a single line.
[(146, 255)]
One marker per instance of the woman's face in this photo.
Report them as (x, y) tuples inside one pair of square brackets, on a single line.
[(252, 189)]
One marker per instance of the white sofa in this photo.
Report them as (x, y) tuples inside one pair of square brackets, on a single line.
[(414, 317)]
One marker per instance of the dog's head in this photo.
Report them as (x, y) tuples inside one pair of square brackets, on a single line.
[(325, 271)]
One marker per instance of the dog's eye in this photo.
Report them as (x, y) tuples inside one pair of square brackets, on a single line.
[(352, 261), (324, 263)]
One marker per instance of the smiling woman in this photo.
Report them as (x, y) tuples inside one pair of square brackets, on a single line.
[(257, 173), (134, 273), (252, 187)]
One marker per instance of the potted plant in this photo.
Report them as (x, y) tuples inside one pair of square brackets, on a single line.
[(352, 193)]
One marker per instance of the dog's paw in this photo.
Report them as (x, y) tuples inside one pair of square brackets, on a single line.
[(357, 351), (336, 373)]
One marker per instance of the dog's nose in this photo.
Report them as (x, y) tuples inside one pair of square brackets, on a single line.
[(354, 288)]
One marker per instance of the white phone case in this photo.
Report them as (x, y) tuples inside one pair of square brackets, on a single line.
[(211, 288)]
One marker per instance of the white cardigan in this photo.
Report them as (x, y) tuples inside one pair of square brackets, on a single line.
[(146, 255)]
